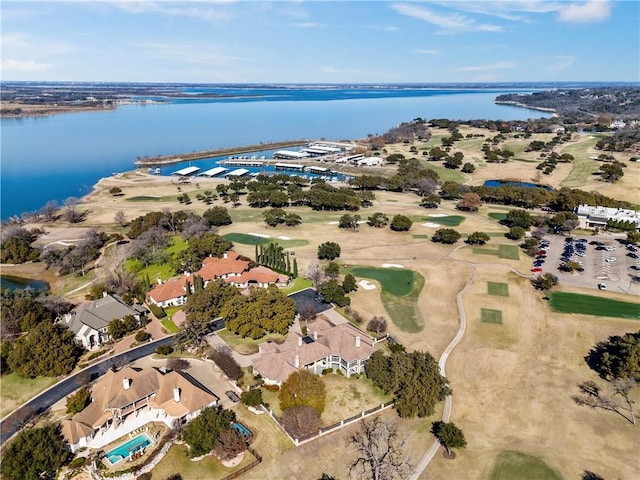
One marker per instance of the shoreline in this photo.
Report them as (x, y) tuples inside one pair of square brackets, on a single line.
[(524, 105)]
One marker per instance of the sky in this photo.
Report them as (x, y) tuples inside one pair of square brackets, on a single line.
[(246, 41)]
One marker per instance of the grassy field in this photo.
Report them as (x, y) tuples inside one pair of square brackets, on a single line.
[(582, 166), (400, 291), (497, 215), (509, 252), (163, 271), (177, 461), (15, 390), (566, 302), (512, 465), (488, 315), (246, 239), (498, 289)]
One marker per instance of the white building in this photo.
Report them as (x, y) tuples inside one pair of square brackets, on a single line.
[(597, 217)]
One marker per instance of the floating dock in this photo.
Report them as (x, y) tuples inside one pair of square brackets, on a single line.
[(289, 166), (240, 172), (186, 171), (243, 163)]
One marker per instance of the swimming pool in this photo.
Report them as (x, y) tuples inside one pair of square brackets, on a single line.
[(129, 448), (242, 429)]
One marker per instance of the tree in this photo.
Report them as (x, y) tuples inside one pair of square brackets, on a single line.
[(348, 221), (71, 213), (201, 433), (230, 444), (274, 216), (445, 235), (617, 357), (217, 216), (478, 238), (47, 350), (78, 400), (379, 450), (633, 238), (349, 283), (332, 270), (251, 397), (468, 168), (430, 201), (303, 389), (315, 274), (564, 222), (378, 220), (469, 202), (449, 435), (333, 292), (115, 191), (545, 281), (328, 251), (34, 454), (515, 233), (292, 220), (301, 422), (116, 329), (120, 218), (222, 356), (518, 218), (50, 210), (591, 395), (377, 324), (178, 364), (612, 172), (401, 223)]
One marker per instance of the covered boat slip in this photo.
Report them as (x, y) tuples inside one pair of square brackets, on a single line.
[(289, 166), (213, 172), (240, 172), (186, 171)]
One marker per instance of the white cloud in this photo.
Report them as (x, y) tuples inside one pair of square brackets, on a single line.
[(211, 11), (450, 23), (491, 66), (189, 53), (512, 10), (586, 12), (308, 25), (10, 65), (427, 52), (390, 29), (560, 62)]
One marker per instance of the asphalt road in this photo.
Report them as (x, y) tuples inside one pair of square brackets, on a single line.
[(13, 422)]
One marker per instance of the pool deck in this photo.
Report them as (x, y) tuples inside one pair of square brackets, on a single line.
[(133, 422)]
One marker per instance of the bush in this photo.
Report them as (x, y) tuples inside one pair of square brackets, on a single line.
[(223, 357), (164, 350), (142, 336), (328, 251), (157, 311), (80, 462), (252, 398)]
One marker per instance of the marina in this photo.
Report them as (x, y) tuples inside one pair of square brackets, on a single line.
[(185, 172), (240, 172), (213, 172)]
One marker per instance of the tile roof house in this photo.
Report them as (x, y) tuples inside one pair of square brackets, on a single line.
[(89, 321), (229, 268), (131, 391), (341, 347)]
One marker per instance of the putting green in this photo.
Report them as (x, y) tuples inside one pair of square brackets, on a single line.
[(512, 465), (488, 315), (246, 239), (498, 289), (396, 281)]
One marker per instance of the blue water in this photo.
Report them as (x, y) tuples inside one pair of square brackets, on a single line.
[(504, 183), (18, 283), (242, 429), (61, 156), (123, 451)]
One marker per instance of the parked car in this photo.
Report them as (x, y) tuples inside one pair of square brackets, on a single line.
[(536, 269), (609, 249), (610, 259), (602, 286)]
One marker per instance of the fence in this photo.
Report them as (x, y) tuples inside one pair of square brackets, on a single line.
[(246, 468), (331, 428)]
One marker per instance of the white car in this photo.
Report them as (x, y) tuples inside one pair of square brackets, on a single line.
[(609, 249), (602, 286), (610, 259)]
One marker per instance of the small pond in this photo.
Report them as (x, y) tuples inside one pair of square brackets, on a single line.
[(507, 183), (12, 283)]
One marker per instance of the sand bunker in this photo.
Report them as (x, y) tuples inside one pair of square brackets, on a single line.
[(333, 223), (437, 215), (392, 265), (431, 225), (263, 235), (284, 237), (366, 285)]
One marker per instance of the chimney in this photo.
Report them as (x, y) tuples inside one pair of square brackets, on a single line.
[(297, 361), (315, 335), (299, 341), (104, 294), (126, 383), (176, 394), (159, 281), (358, 342), (225, 255)]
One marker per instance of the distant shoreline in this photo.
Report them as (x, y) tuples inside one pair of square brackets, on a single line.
[(524, 105)]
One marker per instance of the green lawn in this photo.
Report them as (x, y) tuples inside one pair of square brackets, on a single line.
[(246, 346), (15, 390), (400, 291), (509, 252), (566, 302), (297, 285), (168, 325), (498, 289), (488, 315), (448, 221), (163, 271), (512, 465), (582, 166), (177, 461), (497, 216), (247, 239), (444, 174)]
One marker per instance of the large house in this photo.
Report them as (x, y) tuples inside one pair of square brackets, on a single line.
[(89, 322), (141, 393), (341, 347), (230, 268)]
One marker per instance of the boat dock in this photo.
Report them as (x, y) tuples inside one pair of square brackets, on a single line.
[(243, 163), (186, 171), (240, 172), (214, 172)]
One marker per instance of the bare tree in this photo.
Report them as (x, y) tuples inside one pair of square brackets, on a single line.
[(230, 444), (377, 324), (120, 218), (49, 210), (178, 364), (315, 274), (301, 422), (71, 212), (592, 396), (379, 451)]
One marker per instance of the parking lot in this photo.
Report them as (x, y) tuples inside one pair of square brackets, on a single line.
[(608, 263)]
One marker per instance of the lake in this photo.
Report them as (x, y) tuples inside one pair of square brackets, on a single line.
[(61, 156), (12, 283)]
